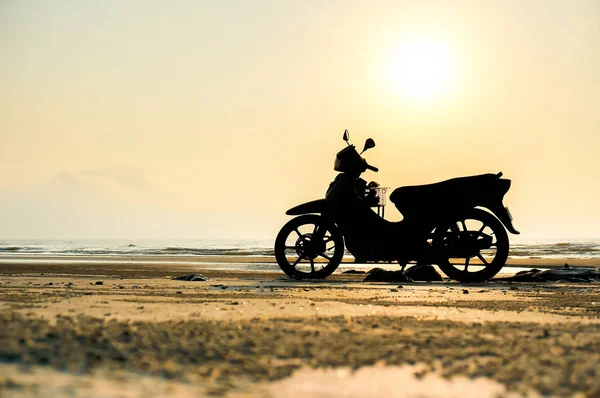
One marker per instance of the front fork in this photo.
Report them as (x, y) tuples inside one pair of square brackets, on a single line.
[(317, 241)]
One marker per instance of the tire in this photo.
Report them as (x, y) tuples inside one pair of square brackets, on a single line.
[(478, 228), (301, 258)]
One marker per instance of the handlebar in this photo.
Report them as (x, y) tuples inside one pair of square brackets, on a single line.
[(373, 168)]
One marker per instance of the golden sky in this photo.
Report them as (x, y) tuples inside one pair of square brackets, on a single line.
[(187, 119)]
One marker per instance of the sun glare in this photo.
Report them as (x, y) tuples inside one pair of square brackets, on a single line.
[(420, 69)]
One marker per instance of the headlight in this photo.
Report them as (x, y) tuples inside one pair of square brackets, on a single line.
[(337, 164)]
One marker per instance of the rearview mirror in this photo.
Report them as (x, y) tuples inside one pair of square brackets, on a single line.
[(346, 135), (369, 143)]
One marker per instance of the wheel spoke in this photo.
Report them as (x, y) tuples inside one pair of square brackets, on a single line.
[(467, 264), (296, 262), (312, 265), (298, 232), (483, 260), (325, 256), (482, 228), (463, 225)]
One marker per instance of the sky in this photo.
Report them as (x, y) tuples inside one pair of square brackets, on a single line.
[(205, 119)]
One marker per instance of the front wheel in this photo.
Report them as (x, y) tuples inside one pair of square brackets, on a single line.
[(308, 247), (472, 249)]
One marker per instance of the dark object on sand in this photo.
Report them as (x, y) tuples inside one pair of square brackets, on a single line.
[(417, 273), (567, 273), (191, 278), (381, 275), (353, 271), (423, 273), (571, 274), (524, 276)]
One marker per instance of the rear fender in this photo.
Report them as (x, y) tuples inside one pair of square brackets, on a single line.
[(315, 206), (504, 216), (496, 206)]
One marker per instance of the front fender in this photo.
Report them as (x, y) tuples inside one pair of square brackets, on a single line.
[(315, 206)]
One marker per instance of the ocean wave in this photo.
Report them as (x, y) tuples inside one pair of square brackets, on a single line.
[(10, 248), (134, 251), (210, 251), (17, 249), (562, 249)]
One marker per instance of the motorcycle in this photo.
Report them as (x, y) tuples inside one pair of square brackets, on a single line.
[(459, 224)]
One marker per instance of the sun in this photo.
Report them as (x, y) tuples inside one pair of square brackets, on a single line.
[(420, 69)]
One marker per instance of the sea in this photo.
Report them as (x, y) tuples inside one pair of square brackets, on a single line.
[(541, 248)]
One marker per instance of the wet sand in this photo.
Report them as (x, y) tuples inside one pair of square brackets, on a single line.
[(92, 327)]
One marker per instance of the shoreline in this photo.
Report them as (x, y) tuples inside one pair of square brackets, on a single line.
[(6, 260)]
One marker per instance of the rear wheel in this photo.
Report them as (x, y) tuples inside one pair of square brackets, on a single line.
[(472, 249), (308, 247)]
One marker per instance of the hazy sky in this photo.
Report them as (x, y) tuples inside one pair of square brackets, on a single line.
[(191, 119)]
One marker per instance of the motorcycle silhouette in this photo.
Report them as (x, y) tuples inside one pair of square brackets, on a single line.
[(458, 224)]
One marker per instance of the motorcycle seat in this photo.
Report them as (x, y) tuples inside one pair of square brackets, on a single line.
[(444, 194)]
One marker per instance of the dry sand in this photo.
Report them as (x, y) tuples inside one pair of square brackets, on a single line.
[(90, 327)]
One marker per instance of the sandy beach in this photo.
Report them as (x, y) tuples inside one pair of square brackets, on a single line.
[(85, 326)]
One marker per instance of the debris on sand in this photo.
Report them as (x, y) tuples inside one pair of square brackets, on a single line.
[(416, 273), (381, 275), (567, 273), (353, 271), (423, 273), (191, 278)]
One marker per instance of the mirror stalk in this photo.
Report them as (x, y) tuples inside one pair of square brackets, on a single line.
[(369, 143)]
